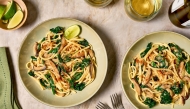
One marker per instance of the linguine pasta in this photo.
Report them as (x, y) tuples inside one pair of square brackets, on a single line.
[(62, 65), (160, 74)]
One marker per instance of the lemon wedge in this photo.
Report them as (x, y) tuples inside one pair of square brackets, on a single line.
[(10, 10), (2, 10), (72, 31), (16, 19)]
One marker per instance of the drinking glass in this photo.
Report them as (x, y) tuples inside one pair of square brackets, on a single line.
[(142, 10), (98, 3)]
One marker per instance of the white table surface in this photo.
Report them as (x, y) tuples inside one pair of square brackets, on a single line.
[(115, 28)]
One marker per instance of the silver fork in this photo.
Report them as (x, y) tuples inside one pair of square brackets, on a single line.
[(101, 105), (116, 101)]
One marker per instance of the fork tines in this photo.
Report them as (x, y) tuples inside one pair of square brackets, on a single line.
[(116, 101), (102, 106)]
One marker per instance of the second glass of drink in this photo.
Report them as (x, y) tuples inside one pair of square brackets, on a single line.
[(142, 10), (98, 3)]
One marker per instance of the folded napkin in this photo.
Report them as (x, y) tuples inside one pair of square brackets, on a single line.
[(7, 97)]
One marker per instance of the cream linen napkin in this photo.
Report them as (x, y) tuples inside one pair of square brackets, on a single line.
[(7, 96)]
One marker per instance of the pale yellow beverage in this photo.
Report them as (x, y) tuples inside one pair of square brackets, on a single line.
[(142, 10), (98, 3)]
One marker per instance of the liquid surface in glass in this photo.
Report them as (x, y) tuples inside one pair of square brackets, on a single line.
[(142, 10), (143, 7)]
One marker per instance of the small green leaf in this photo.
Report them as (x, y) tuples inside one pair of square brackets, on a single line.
[(54, 50), (33, 58), (56, 29), (187, 67), (84, 43), (31, 73)]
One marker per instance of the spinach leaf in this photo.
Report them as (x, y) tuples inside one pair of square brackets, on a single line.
[(177, 88), (85, 62), (84, 43), (159, 88), (159, 58), (56, 29), (31, 73), (142, 86), (42, 82), (61, 69), (38, 47), (165, 97), (150, 102), (149, 46), (79, 87), (132, 85), (54, 50), (52, 85), (137, 79), (76, 86), (55, 37), (58, 41), (177, 51), (77, 76), (67, 59), (60, 58), (162, 61), (161, 48), (162, 64), (77, 65), (154, 64), (33, 58), (71, 82), (43, 39), (187, 67)]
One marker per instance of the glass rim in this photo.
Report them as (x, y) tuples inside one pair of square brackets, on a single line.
[(99, 5)]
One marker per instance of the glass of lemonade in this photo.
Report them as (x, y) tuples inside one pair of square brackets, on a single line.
[(98, 3), (142, 10)]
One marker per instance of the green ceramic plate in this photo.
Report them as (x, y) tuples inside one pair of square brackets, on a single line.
[(46, 96), (164, 37)]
